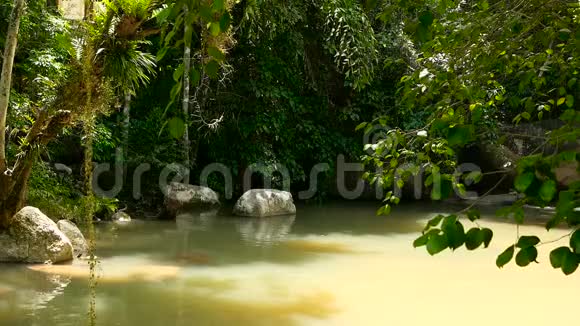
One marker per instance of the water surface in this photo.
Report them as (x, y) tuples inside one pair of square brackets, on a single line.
[(337, 264)]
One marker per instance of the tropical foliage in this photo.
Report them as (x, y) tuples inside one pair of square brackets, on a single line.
[(483, 65)]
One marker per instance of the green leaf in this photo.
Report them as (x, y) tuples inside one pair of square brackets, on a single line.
[(216, 53), (554, 222), (195, 76), (473, 239), (214, 29), (527, 241), (523, 181), (548, 190), (175, 91), (176, 128), (225, 21), (454, 232), (361, 126), (386, 210), (526, 115), (562, 91), (426, 18), (473, 177), (421, 241), (441, 190), (459, 135), (205, 13), (505, 257), (473, 214), (570, 101), (561, 101), (162, 15), (218, 5), (161, 54), (569, 263), (436, 244), (575, 241), (487, 235), (436, 193), (526, 256), (558, 255), (434, 222), (423, 33), (211, 68), (429, 180), (178, 73)]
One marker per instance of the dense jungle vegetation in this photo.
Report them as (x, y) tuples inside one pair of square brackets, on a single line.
[(295, 83)]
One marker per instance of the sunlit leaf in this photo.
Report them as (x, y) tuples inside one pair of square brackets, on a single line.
[(436, 244)]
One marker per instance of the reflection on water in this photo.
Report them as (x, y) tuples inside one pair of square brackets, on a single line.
[(330, 265), (265, 231)]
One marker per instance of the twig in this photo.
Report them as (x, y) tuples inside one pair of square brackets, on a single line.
[(484, 195), (556, 240)]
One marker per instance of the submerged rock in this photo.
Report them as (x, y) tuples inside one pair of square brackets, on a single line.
[(34, 238), (265, 202), (318, 247), (76, 237), (182, 197), (113, 270)]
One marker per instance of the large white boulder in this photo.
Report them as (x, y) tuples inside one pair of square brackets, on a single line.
[(76, 237), (183, 197), (34, 238), (265, 202)]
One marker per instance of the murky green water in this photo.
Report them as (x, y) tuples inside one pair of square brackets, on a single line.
[(333, 265)]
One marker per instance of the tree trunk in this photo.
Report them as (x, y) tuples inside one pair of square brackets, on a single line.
[(186, 86), (6, 75), (13, 192), (126, 125)]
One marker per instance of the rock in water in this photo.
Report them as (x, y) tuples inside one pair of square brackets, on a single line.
[(76, 237), (265, 202), (121, 217), (34, 238), (567, 173), (182, 197)]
